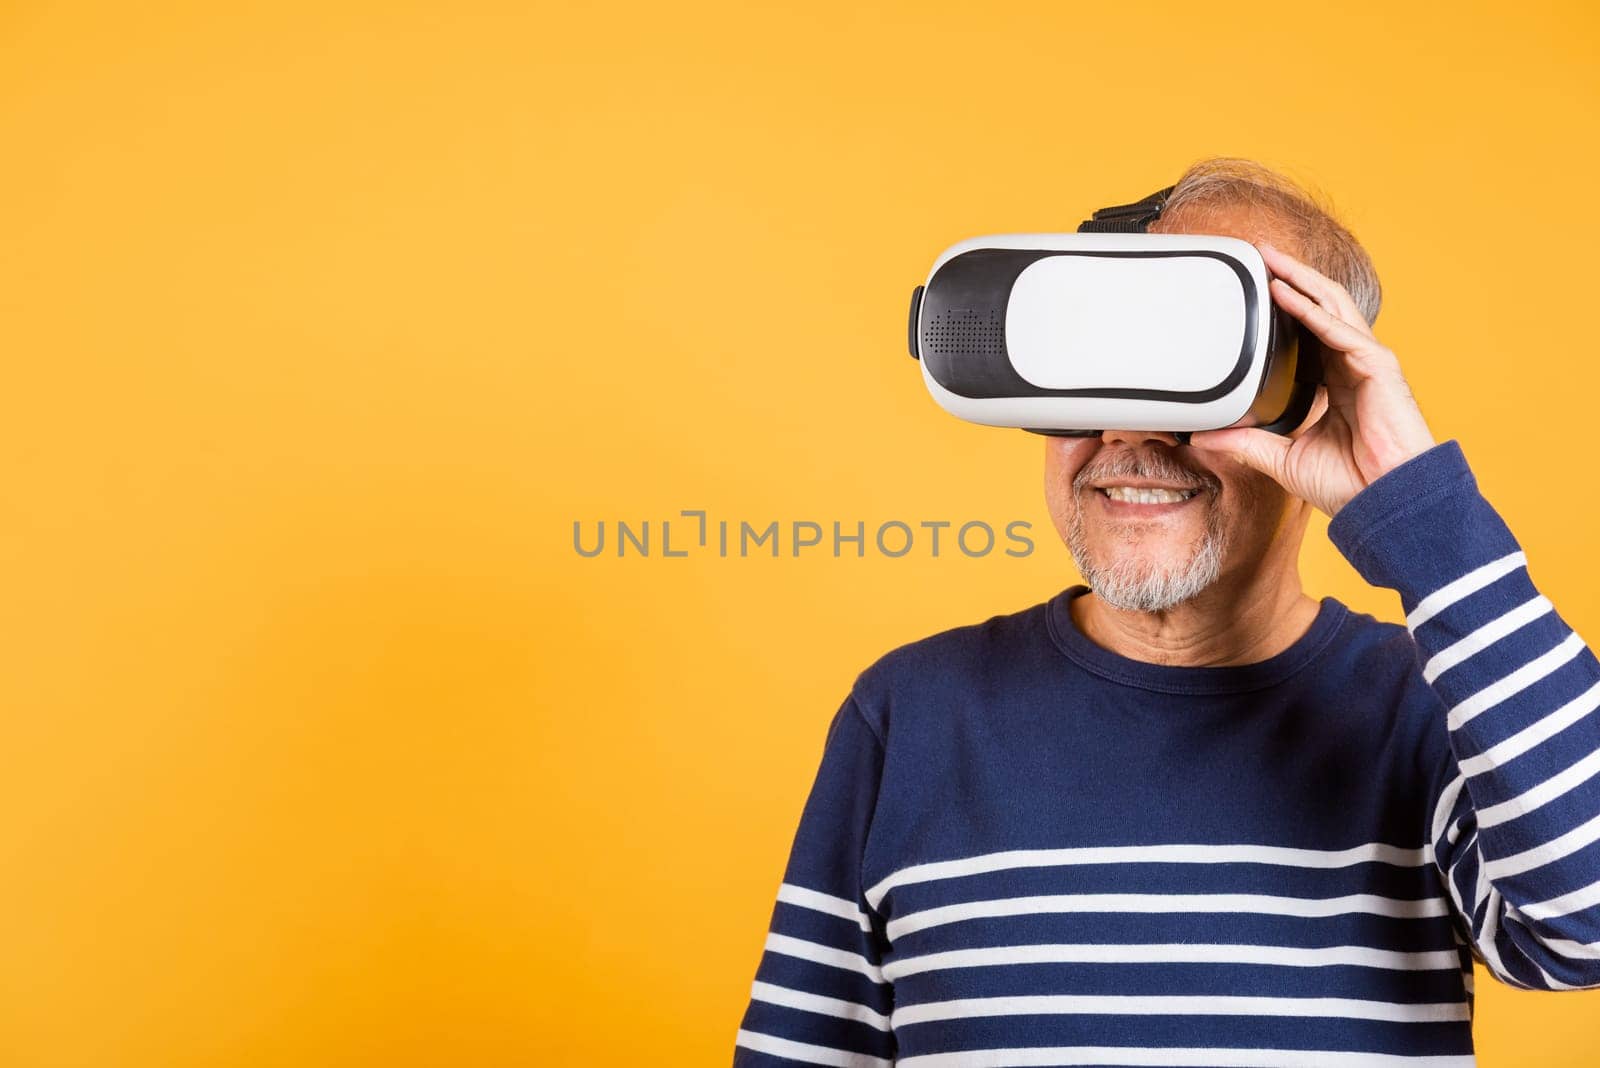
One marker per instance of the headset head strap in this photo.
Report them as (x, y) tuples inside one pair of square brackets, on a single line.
[(1132, 218)]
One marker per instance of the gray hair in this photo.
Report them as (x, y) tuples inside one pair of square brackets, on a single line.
[(1223, 182)]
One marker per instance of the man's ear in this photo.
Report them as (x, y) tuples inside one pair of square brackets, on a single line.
[(1319, 405)]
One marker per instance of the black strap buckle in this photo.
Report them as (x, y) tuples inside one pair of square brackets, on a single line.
[(1134, 218)]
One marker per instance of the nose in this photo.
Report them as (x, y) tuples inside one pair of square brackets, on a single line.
[(1139, 437)]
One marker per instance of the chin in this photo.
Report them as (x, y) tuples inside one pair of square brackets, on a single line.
[(1148, 582)]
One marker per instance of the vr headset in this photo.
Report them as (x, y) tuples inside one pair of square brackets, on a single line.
[(1112, 327)]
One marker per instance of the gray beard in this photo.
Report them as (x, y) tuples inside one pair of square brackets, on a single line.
[(1134, 586)]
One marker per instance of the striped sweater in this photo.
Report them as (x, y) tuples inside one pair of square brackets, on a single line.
[(1021, 848)]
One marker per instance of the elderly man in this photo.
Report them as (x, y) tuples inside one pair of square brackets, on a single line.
[(1186, 814)]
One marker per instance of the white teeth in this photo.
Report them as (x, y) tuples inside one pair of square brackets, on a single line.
[(1148, 496)]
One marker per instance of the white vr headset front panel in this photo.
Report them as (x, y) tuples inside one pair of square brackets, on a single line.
[(1091, 319), (1088, 304)]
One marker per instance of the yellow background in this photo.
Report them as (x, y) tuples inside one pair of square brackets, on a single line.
[(322, 324)]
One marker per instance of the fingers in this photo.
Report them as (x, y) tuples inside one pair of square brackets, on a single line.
[(1333, 297), (1359, 351), (1259, 449)]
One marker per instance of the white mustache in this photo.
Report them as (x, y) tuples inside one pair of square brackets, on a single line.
[(1130, 466)]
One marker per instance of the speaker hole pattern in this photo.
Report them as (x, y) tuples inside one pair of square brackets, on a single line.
[(965, 332)]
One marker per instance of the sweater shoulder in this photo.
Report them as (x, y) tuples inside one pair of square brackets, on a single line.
[(1377, 644), (934, 669), (1386, 661)]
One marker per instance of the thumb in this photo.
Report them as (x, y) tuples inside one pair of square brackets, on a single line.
[(1260, 449)]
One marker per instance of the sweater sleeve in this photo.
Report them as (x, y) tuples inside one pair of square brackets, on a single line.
[(819, 995), (1514, 820)]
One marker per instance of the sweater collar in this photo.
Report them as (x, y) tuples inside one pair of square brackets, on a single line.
[(1166, 678)]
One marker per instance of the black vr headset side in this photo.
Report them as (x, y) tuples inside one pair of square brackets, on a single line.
[(1112, 327)]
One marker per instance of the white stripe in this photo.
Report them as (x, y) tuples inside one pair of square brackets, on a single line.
[(1175, 953), (1532, 735), (1471, 582), (1174, 853), (1508, 913), (807, 1053), (1453, 889), (1446, 805), (1543, 794), (1263, 904), (1481, 893), (1486, 938), (1564, 905), (1171, 1055), (815, 899), (1485, 636), (1563, 947), (1552, 983), (799, 999), (1518, 680), (1178, 1005), (1584, 834), (1463, 854), (820, 954)]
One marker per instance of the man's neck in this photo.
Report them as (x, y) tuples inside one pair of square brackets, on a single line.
[(1244, 622)]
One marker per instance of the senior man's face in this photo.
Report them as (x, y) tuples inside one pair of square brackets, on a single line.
[(1151, 523)]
